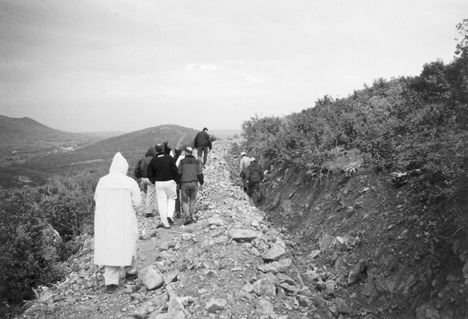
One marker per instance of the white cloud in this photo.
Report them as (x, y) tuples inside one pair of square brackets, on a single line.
[(228, 60)]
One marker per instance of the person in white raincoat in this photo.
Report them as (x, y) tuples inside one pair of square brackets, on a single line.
[(115, 224)]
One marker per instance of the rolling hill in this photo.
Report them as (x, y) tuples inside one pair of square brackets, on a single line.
[(27, 135), (96, 155)]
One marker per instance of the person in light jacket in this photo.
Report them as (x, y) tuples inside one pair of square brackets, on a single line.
[(117, 196), (244, 163)]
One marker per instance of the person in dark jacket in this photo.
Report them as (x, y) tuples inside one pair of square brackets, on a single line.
[(190, 173), (162, 171), (141, 173), (167, 149), (202, 143), (254, 175)]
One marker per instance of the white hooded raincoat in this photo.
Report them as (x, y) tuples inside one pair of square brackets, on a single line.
[(115, 224)]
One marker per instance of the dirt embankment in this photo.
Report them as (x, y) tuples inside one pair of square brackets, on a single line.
[(383, 252)]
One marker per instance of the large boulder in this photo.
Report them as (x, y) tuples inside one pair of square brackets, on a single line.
[(151, 277), (215, 304), (243, 235), (275, 252)]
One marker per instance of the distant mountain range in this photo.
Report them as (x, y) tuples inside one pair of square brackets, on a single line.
[(32, 151), (26, 135)]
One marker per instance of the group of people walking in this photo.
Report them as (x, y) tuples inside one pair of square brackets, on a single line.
[(164, 174), (251, 174)]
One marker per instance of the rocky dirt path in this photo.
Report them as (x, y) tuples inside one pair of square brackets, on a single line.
[(231, 263)]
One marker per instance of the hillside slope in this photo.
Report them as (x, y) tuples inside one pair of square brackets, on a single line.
[(26, 134), (373, 186), (408, 260), (95, 156)]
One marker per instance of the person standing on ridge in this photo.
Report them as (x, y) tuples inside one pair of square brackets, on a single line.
[(117, 196), (202, 143), (162, 171), (191, 173), (141, 173), (244, 163), (254, 175)]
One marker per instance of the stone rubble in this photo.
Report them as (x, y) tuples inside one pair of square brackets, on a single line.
[(230, 263)]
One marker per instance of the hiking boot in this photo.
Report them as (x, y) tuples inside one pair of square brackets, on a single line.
[(111, 288), (130, 276), (161, 225), (188, 221)]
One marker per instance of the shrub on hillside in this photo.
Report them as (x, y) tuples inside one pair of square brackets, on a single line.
[(27, 256), (37, 231), (67, 204)]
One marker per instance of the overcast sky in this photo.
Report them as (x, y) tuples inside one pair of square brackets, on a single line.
[(125, 65)]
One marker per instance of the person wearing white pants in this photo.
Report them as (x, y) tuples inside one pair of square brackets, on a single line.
[(166, 192), (162, 171)]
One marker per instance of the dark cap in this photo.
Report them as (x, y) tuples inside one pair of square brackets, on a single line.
[(205, 129), (159, 148)]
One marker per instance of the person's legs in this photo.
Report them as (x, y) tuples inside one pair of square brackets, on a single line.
[(131, 270), (250, 188), (178, 205), (171, 193), (193, 199), (150, 199), (111, 275), (244, 183), (162, 202), (205, 155), (185, 200), (199, 152)]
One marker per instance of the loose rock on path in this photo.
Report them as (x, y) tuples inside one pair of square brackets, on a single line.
[(229, 264)]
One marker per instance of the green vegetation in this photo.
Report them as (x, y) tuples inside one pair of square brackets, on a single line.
[(409, 124), (30, 217)]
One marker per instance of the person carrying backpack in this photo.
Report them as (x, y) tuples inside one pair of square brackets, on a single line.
[(141, 173), (254, 176)]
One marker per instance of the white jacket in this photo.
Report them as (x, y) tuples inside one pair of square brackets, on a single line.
[(115, 224), (244, 163)]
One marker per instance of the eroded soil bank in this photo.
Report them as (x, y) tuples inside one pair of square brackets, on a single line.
[(364, 239)]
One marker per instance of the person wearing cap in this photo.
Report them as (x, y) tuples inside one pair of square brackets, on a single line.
[(162, 171), (117, 196), (202, 143), (254, 175), (244, 163), (190, 175), (141, 173)]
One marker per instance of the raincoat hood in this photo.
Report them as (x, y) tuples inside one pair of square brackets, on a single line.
[(119, 165), (151, 151)]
